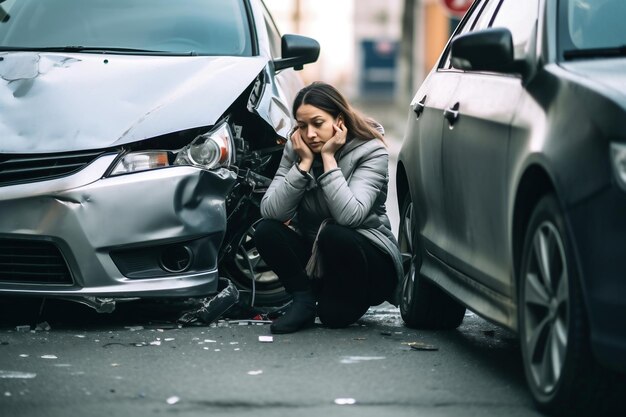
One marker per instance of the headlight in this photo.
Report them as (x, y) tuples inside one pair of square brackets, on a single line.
[(141, 161), (618, 158), (211, 150)]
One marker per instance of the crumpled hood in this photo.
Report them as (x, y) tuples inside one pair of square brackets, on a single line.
[(608, 75), (51, 102)]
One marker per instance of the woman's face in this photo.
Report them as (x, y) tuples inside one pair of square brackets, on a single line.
[(315, 126)]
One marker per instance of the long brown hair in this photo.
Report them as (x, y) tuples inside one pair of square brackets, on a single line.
[(326, 97)]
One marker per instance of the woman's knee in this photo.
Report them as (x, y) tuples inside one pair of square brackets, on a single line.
[(334, 235), (266, 229), (265, 234)]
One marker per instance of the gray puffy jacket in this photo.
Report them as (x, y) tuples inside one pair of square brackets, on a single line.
[(353, 195)]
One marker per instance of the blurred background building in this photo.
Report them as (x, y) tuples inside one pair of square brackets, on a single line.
[(372, 49)]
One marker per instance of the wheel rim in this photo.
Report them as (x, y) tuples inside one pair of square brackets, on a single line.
[(406, 246), (248, 256), (545, 307), (406, 234)]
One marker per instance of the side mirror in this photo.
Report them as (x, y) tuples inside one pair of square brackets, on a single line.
[(296, 51), (484, 50)]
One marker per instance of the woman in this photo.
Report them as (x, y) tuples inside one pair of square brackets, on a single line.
[(326, 208)]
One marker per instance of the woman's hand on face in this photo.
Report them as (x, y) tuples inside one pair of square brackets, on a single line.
[(337, 141), (302, 149)]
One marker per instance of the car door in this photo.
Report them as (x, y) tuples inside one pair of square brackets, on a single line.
[(475, 144), (423, 146)]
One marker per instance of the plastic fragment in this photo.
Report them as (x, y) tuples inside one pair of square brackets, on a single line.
[(23, 329), (24, 355), (212, 308), (134, 328), (43, 326), (345, 401), (422, 346), (49, 357), (173, 400), (246, 322), (266, 339), (16, 375), (257, 372), (358, 359), (101, 305), (156, 343)]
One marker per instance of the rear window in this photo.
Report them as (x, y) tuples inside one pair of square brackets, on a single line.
[(203, 27)]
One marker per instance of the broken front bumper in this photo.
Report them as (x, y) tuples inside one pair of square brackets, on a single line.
[(148, 234)]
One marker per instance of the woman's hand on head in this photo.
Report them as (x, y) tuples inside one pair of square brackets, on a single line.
[(337, 141), (302, 149)]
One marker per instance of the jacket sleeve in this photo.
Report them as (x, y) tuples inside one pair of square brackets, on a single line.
[(350, 201), (283, 196)]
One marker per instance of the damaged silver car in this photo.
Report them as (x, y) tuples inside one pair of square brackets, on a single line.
[(136, 140)]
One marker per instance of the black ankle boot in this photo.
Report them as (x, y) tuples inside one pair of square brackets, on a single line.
[(301, 314)]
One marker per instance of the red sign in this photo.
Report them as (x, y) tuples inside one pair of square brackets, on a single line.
[(457, 7)]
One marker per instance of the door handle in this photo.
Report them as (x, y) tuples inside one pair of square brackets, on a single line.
[(419, 107), (452, 114)]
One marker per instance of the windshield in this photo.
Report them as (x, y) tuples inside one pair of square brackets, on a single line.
[(587, 25), (202, 27)]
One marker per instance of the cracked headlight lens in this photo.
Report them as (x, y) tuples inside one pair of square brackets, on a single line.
[(210, 150), (140, 161)]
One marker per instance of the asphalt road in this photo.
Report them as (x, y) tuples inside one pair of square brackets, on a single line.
[(135, 362), (128, 364)]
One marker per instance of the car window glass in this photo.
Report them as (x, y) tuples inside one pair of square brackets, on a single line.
[(597, 23), (203, 27), (272, 32), (486, 15), (519, 17)]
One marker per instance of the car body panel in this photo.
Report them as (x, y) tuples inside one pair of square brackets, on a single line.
[(90, 220), (490, 190), (435, 96), (112, 231), (118, 99), (475, 176)]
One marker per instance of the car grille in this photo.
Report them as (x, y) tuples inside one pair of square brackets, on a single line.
[(32, 261), (23, 168)]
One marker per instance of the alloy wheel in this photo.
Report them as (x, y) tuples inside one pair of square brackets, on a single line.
[(406, 246), (249, 261), (546, 307)]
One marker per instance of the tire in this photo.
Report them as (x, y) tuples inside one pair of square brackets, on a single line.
[(423, 305), (562, 375), (267, 290)]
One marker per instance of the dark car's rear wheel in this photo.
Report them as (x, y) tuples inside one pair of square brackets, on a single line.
[(422, 304), (554, 335)]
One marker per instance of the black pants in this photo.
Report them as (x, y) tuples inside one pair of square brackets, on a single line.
[(356, 274)]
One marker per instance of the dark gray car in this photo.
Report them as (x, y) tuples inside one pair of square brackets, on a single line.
[(512, 187), (136, 139)]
